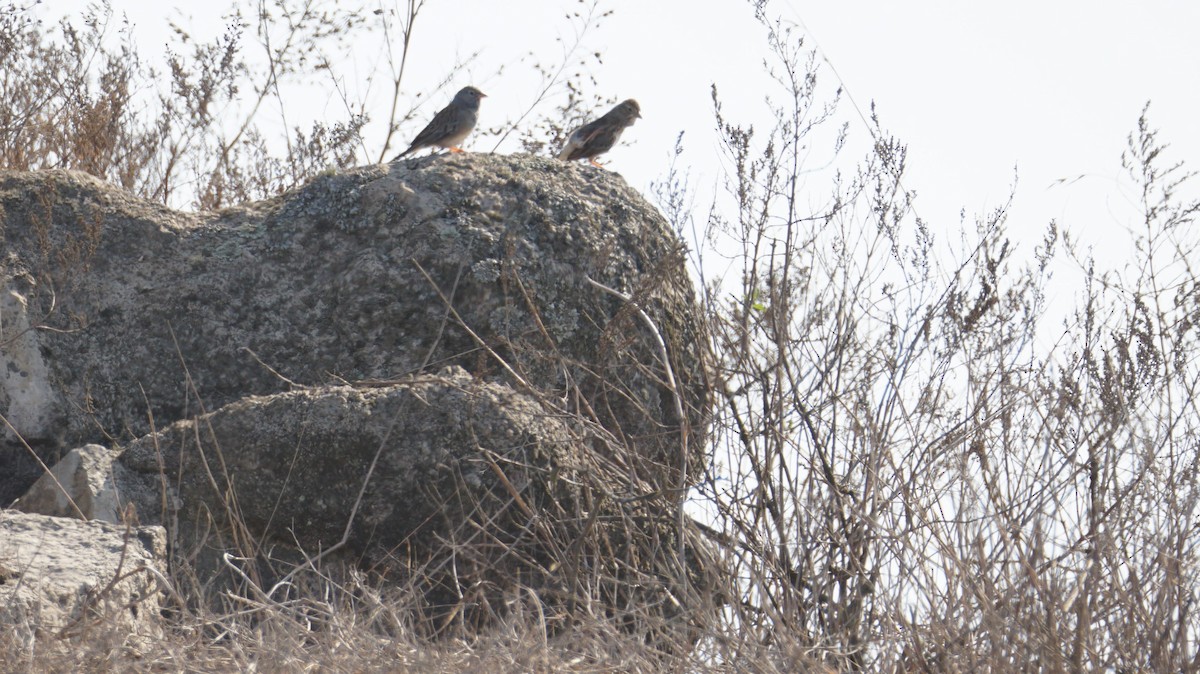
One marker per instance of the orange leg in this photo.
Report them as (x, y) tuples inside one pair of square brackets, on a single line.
[(455, 149), (596, 163)]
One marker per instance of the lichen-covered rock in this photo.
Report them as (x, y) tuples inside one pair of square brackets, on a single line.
[(394, 478), (118, 313), (394, 464)]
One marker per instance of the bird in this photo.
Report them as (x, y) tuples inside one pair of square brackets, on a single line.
[(451, 125), (597, 137)]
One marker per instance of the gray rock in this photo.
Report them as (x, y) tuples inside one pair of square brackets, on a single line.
[(60, 577), (289, 468), (399, 479), (116, 313), (406, 362), (80, 485)]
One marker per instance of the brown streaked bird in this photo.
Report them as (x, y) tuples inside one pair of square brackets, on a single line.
[(597, 137), (451, 125)]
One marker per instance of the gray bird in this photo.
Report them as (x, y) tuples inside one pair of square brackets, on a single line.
[(451, 125), (595, 138)]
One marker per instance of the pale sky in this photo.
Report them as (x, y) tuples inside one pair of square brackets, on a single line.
[(975, 89), (1052, 88)]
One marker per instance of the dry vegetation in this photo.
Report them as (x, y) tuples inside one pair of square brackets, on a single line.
[(913, 469), (913, 479)]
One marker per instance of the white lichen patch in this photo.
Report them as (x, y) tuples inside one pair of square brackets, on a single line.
[(26, 397)]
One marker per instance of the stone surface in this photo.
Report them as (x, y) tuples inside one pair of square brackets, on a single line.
[(59, 577), (80, 485), (118, 314), (407, 363), (26, 396), (287, 470)]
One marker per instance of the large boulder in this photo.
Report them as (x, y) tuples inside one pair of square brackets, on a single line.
[(119, 316), (416, 368)]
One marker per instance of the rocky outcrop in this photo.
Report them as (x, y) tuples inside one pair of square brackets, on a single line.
[(119, 316), (411, 368)]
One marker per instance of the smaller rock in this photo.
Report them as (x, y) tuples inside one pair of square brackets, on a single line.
[(84, 476), (59, 577)]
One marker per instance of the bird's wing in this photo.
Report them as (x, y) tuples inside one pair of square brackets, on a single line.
[(578, 143), (571, 146), (435, 130)]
